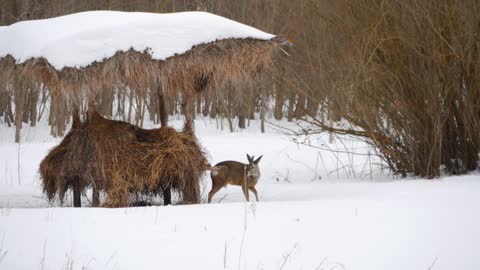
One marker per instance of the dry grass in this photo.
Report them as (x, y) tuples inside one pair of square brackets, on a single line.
[(204, 65), (123, 160), (206, 68)]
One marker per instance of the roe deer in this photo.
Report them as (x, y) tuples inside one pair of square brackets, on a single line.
[(235, 173)]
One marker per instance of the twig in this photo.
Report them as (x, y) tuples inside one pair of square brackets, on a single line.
[(299, 162), (18, 162), (2, 253), (225, 256), (243, 236), (321, 264), (433, 263), (42, 262), (221, 199)]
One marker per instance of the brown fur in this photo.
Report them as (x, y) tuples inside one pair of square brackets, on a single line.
[(234, 173)]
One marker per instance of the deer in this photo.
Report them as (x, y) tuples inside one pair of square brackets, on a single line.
[(235, 173)]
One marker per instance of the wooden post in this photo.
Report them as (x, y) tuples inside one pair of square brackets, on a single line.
[(77, 200), (95, 197), (167, 196), (162, 110)]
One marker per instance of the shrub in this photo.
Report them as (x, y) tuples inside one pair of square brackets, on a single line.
[(406, 76)]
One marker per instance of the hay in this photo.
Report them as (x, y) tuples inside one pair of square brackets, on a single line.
[(232, 60), (123, 160)]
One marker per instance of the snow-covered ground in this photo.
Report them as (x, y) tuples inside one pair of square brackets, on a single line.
[(317, 210)]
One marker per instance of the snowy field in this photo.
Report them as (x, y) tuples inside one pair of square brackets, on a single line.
[(317, 210)]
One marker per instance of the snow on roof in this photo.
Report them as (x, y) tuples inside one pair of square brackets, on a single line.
[(78, 40)]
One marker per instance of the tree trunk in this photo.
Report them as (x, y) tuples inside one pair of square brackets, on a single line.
[(19, 107), (33, 107), (312, 106), (9, 112), (60, 117), (138, 111), (199, 103), (153, 107), (279, 100), (213, 109), (121, 104), (142, 112), (206, 106), (263, 108), (162, 109), (51, 117), (130, 105), (187, 108), (252, 103), (300, 108), (241, 116), (26, 102), (291, 105), (228, 114)]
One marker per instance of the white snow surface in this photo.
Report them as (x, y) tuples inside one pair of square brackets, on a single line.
[(79, 39), (318, 210)]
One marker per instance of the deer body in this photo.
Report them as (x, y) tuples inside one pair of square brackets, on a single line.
[(235, 173)]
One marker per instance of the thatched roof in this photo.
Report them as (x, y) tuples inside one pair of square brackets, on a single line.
[(206, 64)]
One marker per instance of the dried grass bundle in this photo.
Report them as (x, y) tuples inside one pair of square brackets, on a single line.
[(122, 160), (207, 64)]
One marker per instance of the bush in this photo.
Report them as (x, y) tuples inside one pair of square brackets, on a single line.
[(406, 76)]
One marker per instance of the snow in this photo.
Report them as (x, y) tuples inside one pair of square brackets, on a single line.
[(78, 40), (317, 210), (395, 226)]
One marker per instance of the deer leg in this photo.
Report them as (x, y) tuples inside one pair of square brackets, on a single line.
[(212, 192), (245, 192), (167, 196), (254, 192)]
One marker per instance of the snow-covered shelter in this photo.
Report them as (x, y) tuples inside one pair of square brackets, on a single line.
[(77, 56)]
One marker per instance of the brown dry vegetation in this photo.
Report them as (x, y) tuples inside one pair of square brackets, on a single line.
[(401, 74), (205, 67), (123, 160), (406, 76)]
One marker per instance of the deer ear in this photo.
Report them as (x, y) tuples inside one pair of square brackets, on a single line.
[(258, 159), (250, 159)]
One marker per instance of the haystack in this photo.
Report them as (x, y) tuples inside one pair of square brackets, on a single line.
[(122, 160)]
